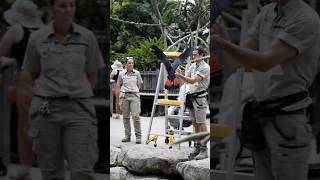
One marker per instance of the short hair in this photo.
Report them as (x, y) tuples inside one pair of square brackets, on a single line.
[(200, 51), (127, 58)]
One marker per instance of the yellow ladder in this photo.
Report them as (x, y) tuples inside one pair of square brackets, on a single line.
[(168, 133)]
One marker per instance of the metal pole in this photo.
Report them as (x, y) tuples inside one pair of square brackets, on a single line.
[(155, 100), (183, 99)]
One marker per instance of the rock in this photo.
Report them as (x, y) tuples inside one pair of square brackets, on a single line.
[(195, 170), (121, 173), (121, 155), (146, 159), (118, 173), (114, 152)]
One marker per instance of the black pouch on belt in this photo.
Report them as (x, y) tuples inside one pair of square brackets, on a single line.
[(188, 103), (252, 136)]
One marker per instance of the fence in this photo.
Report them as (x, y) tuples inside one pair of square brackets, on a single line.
[(149, 79)]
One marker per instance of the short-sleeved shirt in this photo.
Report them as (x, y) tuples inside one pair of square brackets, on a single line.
[(129, 81), (297, 25), (202, 69), (63, 66)]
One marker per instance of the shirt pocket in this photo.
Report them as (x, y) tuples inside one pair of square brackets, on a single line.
[(48, 57), (75, 55), (130, 81)]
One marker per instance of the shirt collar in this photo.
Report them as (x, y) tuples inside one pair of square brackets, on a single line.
[(287, 9), (74, 30), (126, 71), (199, 62)]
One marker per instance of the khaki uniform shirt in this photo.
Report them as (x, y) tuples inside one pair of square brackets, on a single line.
[(129, 82), (63, 66), (202, 69), (297, 25)]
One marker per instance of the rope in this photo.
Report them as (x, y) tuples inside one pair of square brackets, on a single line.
[(134, 23), (198, 59)]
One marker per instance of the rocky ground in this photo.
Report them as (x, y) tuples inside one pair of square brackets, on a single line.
[(132, 161)]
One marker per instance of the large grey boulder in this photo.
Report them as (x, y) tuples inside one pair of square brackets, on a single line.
[(195, 170), (121, 173), (146, 159)]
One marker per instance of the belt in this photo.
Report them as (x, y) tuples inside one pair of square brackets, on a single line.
[(274, 107), (61, 98), (197, 94), (68, 98), (286, 100), (130, 92)]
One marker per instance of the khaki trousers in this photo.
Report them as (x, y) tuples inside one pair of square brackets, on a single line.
[(130, 103), (68, 133), (284, 159)]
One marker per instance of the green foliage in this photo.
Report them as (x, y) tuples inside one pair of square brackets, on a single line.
[(90, 14), (124, 35), (135, 40), (144, 58), (190, 14), (118, 163)]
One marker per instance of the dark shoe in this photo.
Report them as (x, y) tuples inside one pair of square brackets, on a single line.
[(138, 140), (195, 152), (203, 153), (126, 139)]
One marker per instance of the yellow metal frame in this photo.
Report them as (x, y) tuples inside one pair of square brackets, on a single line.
[(169, 102), (219, 131), (172, 54)]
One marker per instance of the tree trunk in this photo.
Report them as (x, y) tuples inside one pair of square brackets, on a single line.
[(197, 34), (162, 28)]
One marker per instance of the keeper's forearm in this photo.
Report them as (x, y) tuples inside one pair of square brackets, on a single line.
[(257, 60), (187, 79), (25, 80)]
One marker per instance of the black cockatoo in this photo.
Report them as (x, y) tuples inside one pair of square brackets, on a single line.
[(172, 82)]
